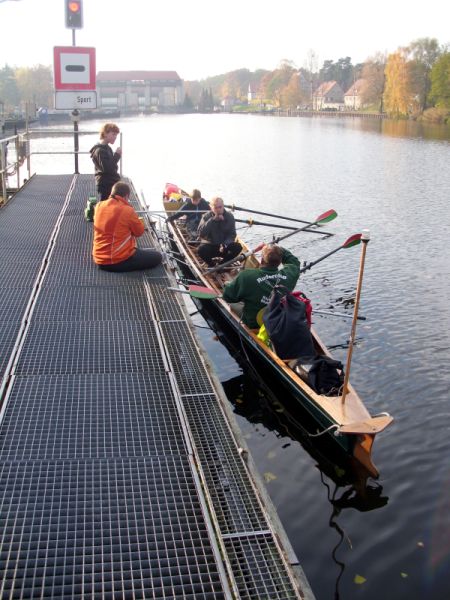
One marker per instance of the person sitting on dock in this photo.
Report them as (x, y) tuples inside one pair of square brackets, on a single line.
[(254, 286), (217, 232), (116, 227), (105, 160), (193, 210)]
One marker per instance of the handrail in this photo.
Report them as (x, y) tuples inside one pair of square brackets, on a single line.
[(23, 152)]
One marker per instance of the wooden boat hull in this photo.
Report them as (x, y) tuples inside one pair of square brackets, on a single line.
[(349, 423)]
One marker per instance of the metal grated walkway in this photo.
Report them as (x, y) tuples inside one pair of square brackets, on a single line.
[(120, 473)]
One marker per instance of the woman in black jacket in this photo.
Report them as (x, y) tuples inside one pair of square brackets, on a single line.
[(105, 160)]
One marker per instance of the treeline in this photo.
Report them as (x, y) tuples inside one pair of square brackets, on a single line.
[(412, 82)]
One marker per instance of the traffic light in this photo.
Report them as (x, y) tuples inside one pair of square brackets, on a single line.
[(74, 14)]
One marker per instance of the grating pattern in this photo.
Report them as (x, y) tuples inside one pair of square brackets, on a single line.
[(99, 497), (93, 416), (104, 529), (19, 273), (13, 302), (77, 253), (9, 330), (258, 569), (76, 230), (165, 302), (185, 359), (67, 303), (76, 274), (234, 499), (106, 347)]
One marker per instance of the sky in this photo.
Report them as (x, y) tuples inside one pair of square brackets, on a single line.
[(202, 38)]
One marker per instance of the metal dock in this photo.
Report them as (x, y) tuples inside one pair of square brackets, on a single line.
[(121, 475)]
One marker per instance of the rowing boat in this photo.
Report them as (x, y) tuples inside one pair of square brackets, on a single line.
[(345, 418)]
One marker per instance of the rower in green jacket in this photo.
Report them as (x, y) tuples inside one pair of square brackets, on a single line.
[(254, 286)]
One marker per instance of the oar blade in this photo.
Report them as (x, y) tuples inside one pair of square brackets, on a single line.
[(202, 292), (326, 217), (353, 240)]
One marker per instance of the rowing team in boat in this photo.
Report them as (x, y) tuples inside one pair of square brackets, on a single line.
[(216, 231)]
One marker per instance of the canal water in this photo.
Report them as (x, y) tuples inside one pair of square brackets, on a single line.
[(355, 538)]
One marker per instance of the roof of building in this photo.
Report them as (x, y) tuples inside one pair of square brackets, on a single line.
[(325, 87), (137, 75), (356, 88)]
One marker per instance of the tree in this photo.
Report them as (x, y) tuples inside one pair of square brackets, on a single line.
[(397, 94), (343, 72), (373, 75), (275, 82), (310, 72), (292, 93), (422, 53), (9, 94), (440, 82), (187, 103), (35, 85)]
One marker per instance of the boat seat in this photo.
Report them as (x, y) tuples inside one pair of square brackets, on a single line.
[(369, 425)]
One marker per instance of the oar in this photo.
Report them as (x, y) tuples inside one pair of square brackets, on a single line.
[(325, 217), (307, 230), (258, 212), (335, 314), (197, 291), (252, 222), (353, 240), (240, 257), (365, 237)]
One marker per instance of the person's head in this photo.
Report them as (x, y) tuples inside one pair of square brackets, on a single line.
[(196, 196), (271, 255), (109, 132), (121, 189), (216, 205)]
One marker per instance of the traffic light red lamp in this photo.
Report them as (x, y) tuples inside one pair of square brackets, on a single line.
[(74, 14)]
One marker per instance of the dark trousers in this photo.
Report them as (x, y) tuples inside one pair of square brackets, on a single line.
[(104, 190), (141, 259), (209, 251)]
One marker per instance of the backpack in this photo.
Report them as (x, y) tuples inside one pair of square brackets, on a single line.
[(326, 375), (285, 319), (301, 296), (90, 207)]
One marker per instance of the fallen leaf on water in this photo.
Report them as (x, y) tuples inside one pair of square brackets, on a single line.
[(269, 477), (339, 472), (404, 575), (359, 579)]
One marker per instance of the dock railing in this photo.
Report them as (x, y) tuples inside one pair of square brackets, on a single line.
[(16, 152)]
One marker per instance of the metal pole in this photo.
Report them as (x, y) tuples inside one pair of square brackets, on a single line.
[(365, 237), (121, 156), (75, 116)]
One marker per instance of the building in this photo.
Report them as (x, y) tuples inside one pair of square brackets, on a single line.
[(352, 97), (139, 91), (329, 95)]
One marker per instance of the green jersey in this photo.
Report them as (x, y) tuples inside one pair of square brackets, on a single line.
[(254, 286)]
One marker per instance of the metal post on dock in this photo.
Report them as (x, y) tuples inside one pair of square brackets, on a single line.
[(75, 119)]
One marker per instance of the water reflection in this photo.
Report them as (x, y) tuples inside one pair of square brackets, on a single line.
[(347, 483), (406, 129)]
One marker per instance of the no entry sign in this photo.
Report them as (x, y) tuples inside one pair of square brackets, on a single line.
[(74, 68)]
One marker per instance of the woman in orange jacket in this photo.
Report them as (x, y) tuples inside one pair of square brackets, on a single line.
[(116, 227)]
